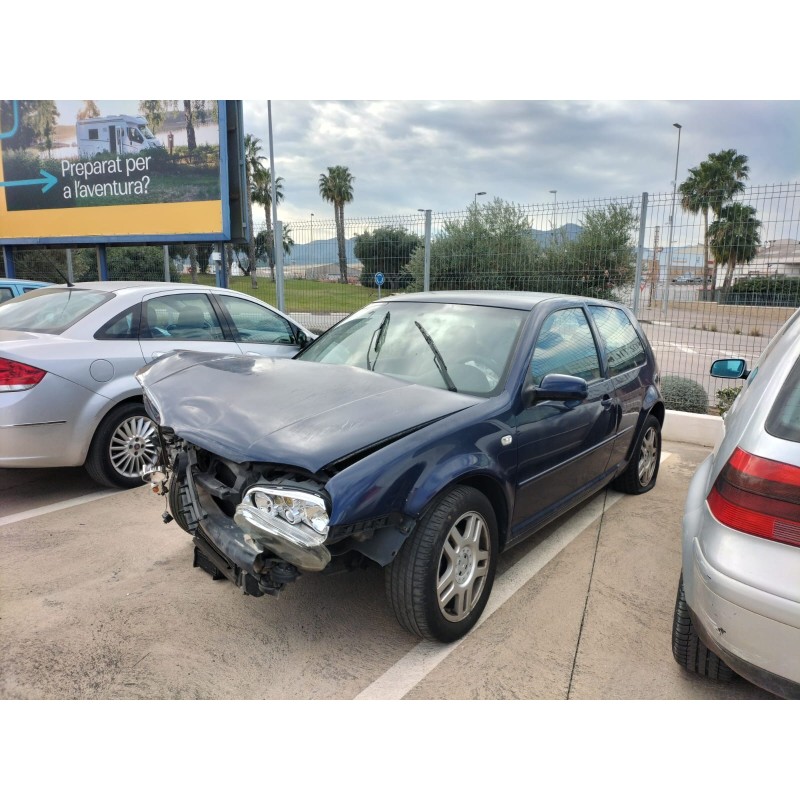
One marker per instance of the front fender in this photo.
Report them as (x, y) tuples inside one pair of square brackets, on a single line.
[(405, 477)]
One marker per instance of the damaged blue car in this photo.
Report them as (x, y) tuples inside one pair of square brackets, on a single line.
[(425, 434)]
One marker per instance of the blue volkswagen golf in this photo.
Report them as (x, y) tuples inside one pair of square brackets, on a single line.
[(425, 433)]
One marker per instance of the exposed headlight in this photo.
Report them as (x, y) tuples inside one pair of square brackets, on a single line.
[(298, 515)]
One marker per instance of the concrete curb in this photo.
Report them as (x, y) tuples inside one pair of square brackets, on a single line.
[(702, 429)]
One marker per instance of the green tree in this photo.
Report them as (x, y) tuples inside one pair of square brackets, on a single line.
[(154, 112), (337, 187), (709, 186), (26, 135), (492, 248), (262, 194), (89, 110), (264, 242), (255, 174), (602, 257), (44, 119), (388, 250), (734, 238)]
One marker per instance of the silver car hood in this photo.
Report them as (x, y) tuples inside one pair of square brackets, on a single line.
[(285, 411)]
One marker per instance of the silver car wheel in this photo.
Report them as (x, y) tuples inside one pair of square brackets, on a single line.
[(648, 456), (463, 566), (133, 445)]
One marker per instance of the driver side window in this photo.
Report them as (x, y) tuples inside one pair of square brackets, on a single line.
[(565, 346)]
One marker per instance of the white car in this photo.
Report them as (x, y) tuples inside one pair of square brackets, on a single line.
[(68, 354), (738, 603)]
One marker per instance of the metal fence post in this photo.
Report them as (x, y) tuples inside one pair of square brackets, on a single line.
[(279, 265), (70, 270), (640, 255), (427, 280), (166, 262), (222, 270)]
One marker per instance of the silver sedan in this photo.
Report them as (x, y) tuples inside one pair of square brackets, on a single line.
[(738, 603), (68, 355)]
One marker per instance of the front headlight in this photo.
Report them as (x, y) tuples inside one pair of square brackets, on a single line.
[(299, 515)]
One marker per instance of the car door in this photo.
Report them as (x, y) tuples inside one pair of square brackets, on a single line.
[(563, 446), (259, 330), (182, 321), (626, 360)]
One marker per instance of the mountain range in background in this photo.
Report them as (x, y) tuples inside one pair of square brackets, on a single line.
[(324, 251)]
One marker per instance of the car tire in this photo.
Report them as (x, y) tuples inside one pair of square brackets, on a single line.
[(687, 648), (453, 549), (124, 442), (642, 471)]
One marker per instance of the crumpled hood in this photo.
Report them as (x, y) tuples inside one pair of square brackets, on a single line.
[(283, 411)]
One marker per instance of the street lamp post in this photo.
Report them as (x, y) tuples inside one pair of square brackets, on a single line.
[(554, 192), (477, 195), (671, 222)]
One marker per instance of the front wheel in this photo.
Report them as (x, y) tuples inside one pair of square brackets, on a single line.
[(124, 442), (440, 581), (642, 470)]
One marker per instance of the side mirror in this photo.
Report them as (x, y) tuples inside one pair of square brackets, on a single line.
[(557, 387), (729, 368), (300, 339)]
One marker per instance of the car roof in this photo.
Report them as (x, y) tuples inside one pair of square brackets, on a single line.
[(501, 299)]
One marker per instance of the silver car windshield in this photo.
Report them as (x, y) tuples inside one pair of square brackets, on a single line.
[(462, 348), (49, 310)]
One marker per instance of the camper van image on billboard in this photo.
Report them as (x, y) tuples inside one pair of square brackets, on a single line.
[(119, 135)]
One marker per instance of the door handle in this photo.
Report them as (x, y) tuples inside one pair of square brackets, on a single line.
[(606, 402)]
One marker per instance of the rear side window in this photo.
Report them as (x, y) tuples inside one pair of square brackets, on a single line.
[(624, 348), (784, 419), (123, 326)]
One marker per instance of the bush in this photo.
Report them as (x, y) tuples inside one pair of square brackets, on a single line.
[(725, 397), (682, 394)]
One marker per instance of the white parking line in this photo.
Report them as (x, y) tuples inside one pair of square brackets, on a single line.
[(410, 670), (76, 501)]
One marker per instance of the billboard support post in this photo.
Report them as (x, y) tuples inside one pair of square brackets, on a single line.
[(102, 263), (166, 262), (8, 257), (70, 271)]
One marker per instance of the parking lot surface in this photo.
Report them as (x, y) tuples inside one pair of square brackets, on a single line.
[(99, 600)]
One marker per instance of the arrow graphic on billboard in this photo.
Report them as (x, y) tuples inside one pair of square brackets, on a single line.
[(47, 180)]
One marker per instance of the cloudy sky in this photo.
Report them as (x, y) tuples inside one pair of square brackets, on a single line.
[(411, 154)]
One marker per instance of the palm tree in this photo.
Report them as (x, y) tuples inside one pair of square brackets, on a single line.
[(709, 186), (263, 194), (337, 187), (734, 238), (255, 176)]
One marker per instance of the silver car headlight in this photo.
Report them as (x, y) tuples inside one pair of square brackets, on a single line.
[(298, 515)]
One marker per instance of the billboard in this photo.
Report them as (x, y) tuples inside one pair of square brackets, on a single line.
[(104, 171)]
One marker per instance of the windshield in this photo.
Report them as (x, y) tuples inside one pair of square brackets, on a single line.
[(462, 348), (49, 310), (146, 132)]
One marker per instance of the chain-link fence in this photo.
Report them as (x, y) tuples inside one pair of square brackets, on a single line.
[(704, 285)]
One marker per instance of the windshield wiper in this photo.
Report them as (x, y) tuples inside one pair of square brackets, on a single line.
[(378, 337), (437, 358)]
